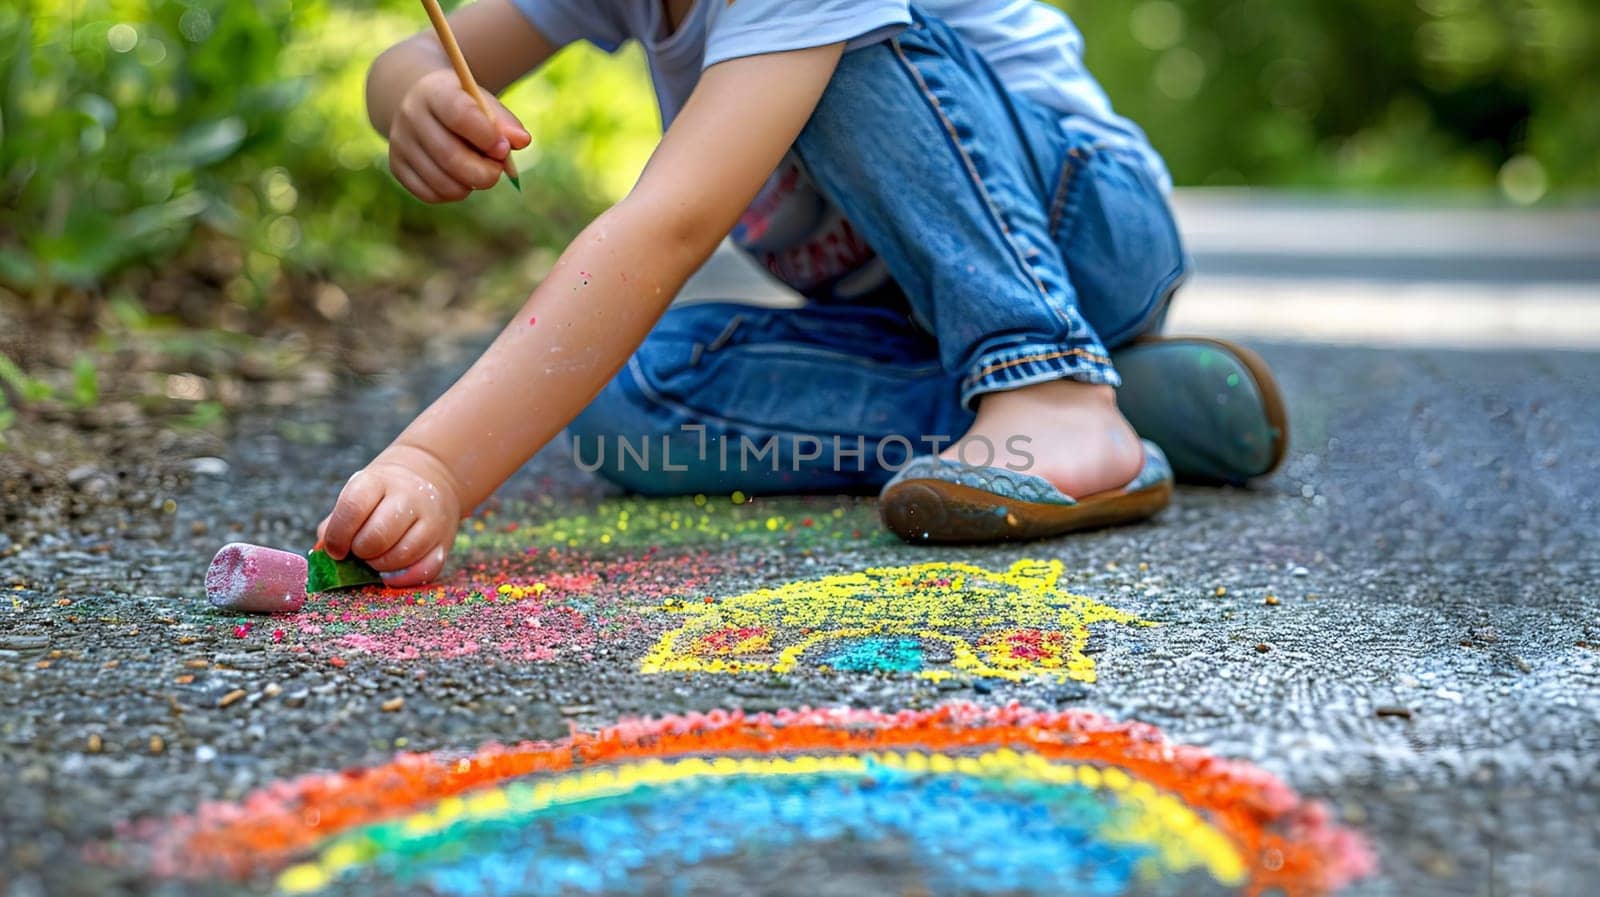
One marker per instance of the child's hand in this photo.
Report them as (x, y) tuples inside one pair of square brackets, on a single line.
[(441, 147), (399, 514)]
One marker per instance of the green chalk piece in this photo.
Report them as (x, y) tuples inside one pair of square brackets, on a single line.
[(326, 574), (516, 182)]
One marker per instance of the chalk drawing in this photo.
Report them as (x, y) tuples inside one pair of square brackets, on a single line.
[(670, 522), (540, 607), (985, 799), (935, 620)]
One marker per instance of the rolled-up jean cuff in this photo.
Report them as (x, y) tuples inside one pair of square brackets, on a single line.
[(1025, 365)]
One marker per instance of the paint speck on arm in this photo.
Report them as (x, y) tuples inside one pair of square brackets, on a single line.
[(532, 320)]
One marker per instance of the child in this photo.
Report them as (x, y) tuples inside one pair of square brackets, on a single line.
[(974, 230)]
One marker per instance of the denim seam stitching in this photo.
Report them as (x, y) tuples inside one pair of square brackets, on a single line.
[(1058, 203), (1042, 356), (972, 172)]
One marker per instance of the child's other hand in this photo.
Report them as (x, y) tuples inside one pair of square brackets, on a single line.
[(441, 147), (399, 514)]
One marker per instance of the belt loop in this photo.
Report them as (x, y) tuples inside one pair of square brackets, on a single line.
[(725, 335)]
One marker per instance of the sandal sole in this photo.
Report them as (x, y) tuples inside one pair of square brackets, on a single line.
[(938, 512)]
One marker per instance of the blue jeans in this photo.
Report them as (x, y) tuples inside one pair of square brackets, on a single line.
[(1023, 244)]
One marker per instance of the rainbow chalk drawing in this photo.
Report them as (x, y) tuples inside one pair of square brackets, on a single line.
[(934, 620), (976, 799)]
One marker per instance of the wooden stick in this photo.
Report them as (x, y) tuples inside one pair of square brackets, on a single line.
[(447, 38)]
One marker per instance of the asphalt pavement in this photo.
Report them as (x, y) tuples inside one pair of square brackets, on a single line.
[(1400, 629)]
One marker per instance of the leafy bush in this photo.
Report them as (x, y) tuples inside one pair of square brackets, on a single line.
[(228, 136), (1360, 93), (131, 130)]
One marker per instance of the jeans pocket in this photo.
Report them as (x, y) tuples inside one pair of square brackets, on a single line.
[(1114, 227)]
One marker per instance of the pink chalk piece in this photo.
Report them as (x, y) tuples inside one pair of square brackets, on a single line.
[(256, 580)]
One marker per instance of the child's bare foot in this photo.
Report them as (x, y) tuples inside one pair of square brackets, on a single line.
[(1068, 433)]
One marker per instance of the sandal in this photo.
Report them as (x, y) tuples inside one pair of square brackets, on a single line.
[(935, 500), (1212, 405)]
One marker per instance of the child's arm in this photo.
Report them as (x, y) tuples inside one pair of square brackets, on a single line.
[(584, 320), (440, 146)]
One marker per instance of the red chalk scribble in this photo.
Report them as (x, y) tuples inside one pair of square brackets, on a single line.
[(735, 640), (1033, 644), (529, 608)]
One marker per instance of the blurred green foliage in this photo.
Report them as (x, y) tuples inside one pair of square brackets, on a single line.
[(131, 128), (1409, 94), (132, 131)]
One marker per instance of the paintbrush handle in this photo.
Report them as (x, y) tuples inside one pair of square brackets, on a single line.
[(447, 38)]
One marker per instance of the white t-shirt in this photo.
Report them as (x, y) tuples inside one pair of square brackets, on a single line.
[(1033, 47)]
